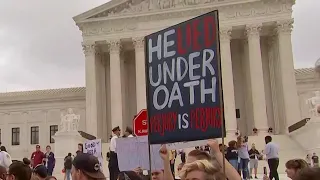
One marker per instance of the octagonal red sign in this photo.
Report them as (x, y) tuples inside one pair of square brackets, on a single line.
[(140, 123)]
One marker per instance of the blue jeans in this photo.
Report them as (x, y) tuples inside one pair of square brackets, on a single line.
[(243, 166), (68, 174), (234, 163)]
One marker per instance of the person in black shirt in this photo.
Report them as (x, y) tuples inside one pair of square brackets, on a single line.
[(254, 157), (232, 154)]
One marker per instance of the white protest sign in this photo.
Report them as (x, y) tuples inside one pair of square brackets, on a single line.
[(94, 147), (183, 145), (133, 152)]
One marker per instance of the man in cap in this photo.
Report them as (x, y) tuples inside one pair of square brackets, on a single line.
[(86, 166), (113, 161)]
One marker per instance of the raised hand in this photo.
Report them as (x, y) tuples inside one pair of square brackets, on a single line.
[(214, 145), (164, 153)]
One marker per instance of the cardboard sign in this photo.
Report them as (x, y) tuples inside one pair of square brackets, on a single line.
[(94, 147), (184, 81)]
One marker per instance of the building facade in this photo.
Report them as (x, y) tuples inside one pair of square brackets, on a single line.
[(256, 57), (32, 117), (259, 79)]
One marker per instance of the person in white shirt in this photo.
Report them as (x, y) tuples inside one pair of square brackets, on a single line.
[(272, 155), (113, 161), (5, 158)]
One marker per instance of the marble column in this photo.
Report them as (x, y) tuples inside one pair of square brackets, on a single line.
[(140, 73), (227, 81), (115, 84), (289, 89), (256, 79), (90, 51)]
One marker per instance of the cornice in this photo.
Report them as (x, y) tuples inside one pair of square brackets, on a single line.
[(231, 14), (40, 96)]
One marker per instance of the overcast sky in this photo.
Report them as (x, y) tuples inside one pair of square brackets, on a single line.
[(40, 45)]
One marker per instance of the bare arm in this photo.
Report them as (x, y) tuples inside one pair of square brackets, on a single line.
[(164, 153), (230, 171)]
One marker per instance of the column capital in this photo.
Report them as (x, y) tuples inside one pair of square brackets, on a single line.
[(138, 42), (89, 49), (253, 30), (225, 33), (284, 26), (114, 45)]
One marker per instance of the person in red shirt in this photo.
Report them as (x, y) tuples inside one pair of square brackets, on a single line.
[(37, 157)]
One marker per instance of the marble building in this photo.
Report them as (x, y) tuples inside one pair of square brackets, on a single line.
[(256, 54), (257, 65)]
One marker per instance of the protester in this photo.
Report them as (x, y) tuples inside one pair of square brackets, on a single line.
[(68, 166), (128, 132), (308, 174), (232, 154), (272, 155), (3, 172), (80, 149), (19, 171), (26, 161), (254, 160), (40, 171), (201, 170), (129, 175), (293, 167), (172, 158), (217, 162), (113, 160), (86, 167), (50, 160), (5, 157), (159, 175), (244, 156), (37, 157)]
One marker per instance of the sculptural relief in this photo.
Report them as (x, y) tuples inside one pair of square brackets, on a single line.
[(69, 122), (314, 104)]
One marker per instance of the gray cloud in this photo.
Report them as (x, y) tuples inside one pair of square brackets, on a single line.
[(40, 45)]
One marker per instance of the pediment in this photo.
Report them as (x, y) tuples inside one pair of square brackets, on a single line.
[(124, 7)]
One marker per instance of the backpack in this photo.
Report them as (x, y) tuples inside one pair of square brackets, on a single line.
[(68, 162)]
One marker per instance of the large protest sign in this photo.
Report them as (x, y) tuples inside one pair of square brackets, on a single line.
[(184, 94), (94, 147), (133, 152)]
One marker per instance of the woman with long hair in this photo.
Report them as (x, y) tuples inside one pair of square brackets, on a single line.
[(243, 153)]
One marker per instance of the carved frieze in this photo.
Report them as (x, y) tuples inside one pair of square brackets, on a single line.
[(134, 6), (125, 20)]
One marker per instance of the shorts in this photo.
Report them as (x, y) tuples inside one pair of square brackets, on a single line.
[(253, 163)]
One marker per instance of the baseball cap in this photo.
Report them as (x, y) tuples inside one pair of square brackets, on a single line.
[(89, 165), (41, 170)]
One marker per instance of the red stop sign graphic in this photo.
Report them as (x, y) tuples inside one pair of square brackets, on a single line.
[(140, 123)]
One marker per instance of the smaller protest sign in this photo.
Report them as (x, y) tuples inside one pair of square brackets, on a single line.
[(138, 146), (94, 147)]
